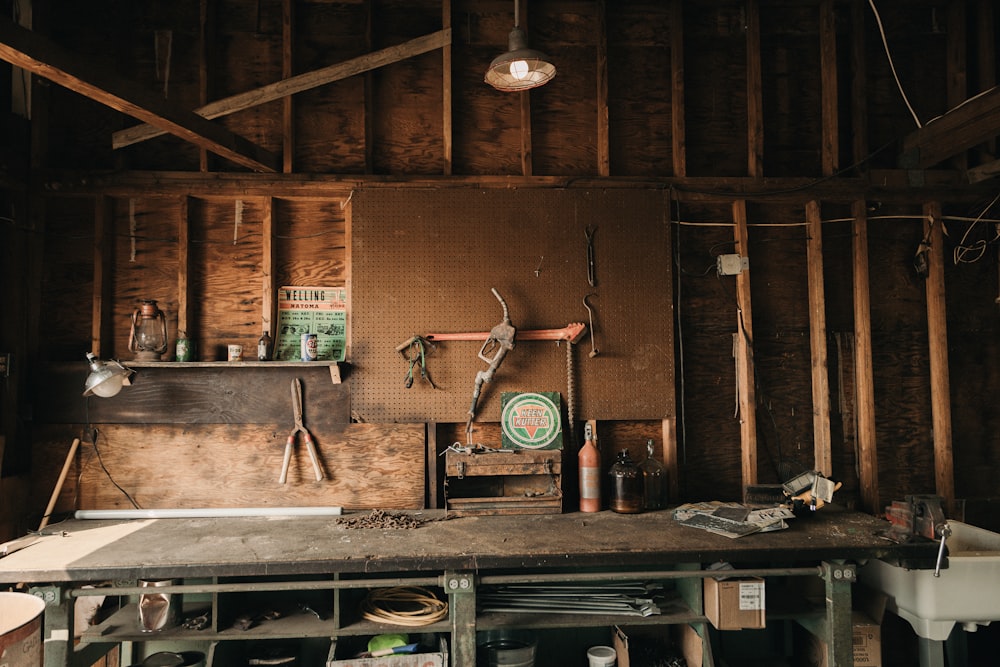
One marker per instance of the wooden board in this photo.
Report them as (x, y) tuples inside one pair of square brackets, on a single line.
[(218, 394), (233, 465)]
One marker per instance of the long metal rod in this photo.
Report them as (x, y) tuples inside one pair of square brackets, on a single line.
[(206, 512), (654, 574), (326, 584)]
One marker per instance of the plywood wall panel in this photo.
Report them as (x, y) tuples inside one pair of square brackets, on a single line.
[(144, 256), (311, 241), (226, 251), (67, 279), (233, 465)]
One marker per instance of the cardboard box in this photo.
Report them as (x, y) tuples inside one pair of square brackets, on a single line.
[(735, 603), (678, 639), (438, 659), (866, 631)]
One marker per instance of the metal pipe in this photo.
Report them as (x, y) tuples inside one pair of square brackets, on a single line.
[(663, 574), (251, 587), (207, 513)]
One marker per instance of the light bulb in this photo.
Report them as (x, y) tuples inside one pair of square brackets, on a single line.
[(109, 387), (519, 69)]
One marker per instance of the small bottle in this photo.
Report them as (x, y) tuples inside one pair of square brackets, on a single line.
[(264, 347), (590, 473), (654, 478), (626, 485)]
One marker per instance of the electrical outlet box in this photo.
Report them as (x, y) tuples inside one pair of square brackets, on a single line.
[(731, 265), (5, 364)]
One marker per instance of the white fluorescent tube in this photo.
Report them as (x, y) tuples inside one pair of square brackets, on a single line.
[(207, 513)]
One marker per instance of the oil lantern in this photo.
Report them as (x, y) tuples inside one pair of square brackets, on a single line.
[(148, 337)]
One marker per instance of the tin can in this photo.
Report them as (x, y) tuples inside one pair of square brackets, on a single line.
[(184, 348), (309, 347)]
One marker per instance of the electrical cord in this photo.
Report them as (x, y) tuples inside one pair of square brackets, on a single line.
[(888, 55), (411, 606)]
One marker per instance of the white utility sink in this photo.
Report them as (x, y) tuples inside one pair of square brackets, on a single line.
[(967, 592)]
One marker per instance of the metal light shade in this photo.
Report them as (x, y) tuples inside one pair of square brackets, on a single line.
[(520, 68), (106, 378)]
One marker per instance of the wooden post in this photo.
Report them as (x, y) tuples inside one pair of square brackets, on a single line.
[(527, 166), (864, 381), (103, 224), (957, 68), (937, 335), (603, 140), (183, 265), (206, 28), (828, 84), (859, 80), (743, 351), (446, 89), (817, 340), (987, 59), (671, 461), (287, 104), (269, 289), (678, 128), (755, 98)]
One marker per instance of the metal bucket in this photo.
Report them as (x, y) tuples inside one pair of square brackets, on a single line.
[(21, 630), (507, 648)]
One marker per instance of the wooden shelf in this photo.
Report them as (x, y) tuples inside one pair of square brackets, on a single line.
[(123, 625), (226, 364)]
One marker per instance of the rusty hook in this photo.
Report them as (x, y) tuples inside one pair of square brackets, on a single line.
[(593, 343)]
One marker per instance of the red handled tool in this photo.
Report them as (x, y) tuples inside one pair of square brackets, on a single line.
[(299, 428)]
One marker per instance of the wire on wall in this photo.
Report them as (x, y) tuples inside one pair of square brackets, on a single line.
[(888, 55)]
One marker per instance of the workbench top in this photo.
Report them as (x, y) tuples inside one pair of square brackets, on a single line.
[(84, 550)]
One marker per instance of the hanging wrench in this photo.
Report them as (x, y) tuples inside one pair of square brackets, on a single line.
[(593, 343), (591, 269)]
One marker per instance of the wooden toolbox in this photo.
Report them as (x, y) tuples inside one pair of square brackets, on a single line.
[(508, 481)]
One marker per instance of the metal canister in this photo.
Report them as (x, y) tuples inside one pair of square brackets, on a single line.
[(309, 347), (185, 351)]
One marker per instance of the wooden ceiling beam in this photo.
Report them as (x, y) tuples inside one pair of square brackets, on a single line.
[(36, 54), (975, 121), (297, 84)]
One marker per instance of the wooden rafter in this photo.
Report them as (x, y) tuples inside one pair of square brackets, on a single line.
[(36, 54), (974, 122), (296, 84)]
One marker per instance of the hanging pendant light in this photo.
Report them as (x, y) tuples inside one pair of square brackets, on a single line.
[(520, 68)]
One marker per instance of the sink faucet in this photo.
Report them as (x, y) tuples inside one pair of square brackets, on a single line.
[(945, 531)]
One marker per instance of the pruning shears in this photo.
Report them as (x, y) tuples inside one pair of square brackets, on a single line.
[(307, 436)]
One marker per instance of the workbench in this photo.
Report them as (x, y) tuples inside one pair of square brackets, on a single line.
[(223, 559)]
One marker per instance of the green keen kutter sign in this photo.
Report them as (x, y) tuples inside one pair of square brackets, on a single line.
[(531, 421)]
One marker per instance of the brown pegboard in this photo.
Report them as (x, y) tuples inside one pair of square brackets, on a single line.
[(424, 261)]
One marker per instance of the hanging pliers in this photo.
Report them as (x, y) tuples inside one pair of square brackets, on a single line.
[(299, 428)]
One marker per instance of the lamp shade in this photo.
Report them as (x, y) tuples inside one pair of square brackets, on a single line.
[(520, 68), (106, 378)]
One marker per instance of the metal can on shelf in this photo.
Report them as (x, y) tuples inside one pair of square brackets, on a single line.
[(309, 347), (185, 351)]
